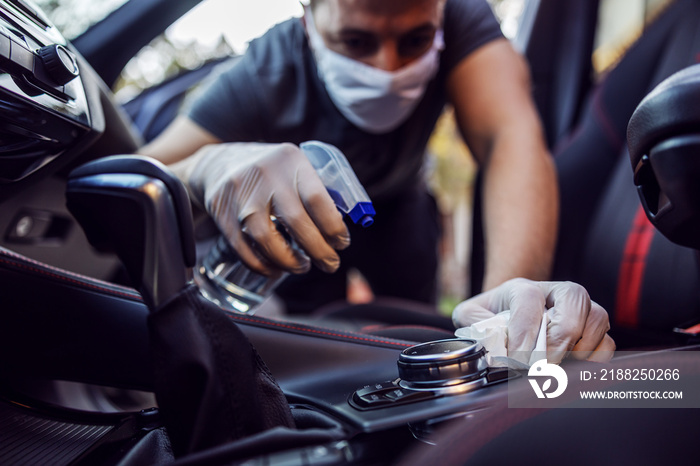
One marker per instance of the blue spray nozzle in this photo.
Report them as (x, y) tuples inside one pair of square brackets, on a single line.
[(362, 214), (341, 182)]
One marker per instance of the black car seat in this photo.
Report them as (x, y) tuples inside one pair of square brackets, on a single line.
[(648, 284)]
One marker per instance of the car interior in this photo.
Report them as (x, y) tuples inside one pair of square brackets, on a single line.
[(110, 355)]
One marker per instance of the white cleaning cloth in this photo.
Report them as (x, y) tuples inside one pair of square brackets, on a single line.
[(492, 333)]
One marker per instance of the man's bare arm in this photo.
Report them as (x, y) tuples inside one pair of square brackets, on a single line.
[(178, 141), (490, 90)]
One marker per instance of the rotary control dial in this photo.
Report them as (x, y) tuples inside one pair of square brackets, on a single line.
[(442, 364), (59, 63), (432, 370)]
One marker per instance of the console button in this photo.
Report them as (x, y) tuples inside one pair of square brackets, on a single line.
[(21, 57), (385, 394), (4, 47), (371, 400), (401, 394), (375, 388)]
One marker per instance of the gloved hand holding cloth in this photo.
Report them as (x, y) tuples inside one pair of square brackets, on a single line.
[(576, 326)]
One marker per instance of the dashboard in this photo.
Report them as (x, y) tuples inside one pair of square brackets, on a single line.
[(55, 114), (44, 109)]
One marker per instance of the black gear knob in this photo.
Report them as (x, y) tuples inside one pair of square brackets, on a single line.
[(211, 385), (135, 207)]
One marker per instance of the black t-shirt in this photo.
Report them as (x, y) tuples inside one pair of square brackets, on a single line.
[(273, 94)]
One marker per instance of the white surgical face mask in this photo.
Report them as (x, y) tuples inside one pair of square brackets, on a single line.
[(374, 100)]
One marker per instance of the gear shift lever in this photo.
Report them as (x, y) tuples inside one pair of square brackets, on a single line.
[(136, 208), (211, 385)]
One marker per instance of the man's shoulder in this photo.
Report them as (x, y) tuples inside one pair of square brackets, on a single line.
[(459, 11), (469, 24), (281, 45)]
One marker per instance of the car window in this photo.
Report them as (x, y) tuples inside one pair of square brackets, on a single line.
[(213, 29), (73, 17), (620, 23)]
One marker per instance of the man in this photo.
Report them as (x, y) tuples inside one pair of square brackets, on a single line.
[(371, 77)]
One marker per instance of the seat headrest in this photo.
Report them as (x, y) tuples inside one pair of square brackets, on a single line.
[(671, 109), (664, 143)]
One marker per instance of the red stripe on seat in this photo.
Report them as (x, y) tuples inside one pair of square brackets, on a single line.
[(630, 280)]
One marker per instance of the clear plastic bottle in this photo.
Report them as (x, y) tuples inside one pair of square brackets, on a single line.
[(223, 278)]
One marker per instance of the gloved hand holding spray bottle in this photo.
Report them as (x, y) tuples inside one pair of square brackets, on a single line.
[(224, 278)]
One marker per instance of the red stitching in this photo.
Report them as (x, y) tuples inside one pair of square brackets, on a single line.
[(63, 271), (409, 326), (42, 269), (321, 332), (75, 281), (606, 124)]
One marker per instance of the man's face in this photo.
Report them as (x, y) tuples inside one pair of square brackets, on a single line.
[(386, 34)]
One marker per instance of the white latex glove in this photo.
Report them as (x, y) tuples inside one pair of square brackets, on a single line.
[(577, 325), (242, 185)]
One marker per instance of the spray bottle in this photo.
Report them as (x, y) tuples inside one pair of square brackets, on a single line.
[(223, 278)]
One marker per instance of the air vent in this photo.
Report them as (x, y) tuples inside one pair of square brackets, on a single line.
[(31, 12), (23, 151)]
